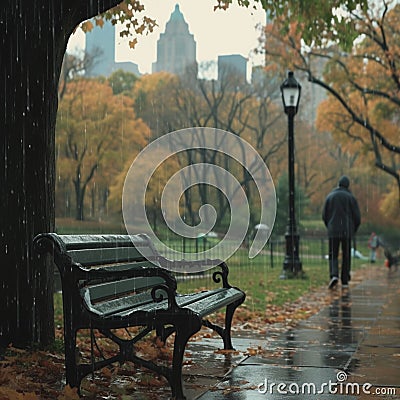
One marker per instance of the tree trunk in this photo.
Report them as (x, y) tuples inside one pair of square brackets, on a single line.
[(80, 200), (30, 67), (33, 38)]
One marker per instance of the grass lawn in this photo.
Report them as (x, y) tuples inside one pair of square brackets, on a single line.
[(262, 283), (257, 277)]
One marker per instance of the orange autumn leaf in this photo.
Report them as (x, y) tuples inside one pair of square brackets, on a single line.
[(132, 43), (100, 22), (87, 26), (69, 394), (150, 381), (106, 372), (222, 351), (252, 352)]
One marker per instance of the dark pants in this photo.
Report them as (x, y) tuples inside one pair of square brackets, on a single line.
[(334, 245)]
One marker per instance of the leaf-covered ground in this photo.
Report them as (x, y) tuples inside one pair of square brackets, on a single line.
[(38, 374)]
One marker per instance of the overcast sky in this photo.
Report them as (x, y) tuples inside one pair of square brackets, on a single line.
[(216, 32)]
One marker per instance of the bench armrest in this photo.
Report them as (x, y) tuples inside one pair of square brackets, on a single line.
[(212, 263), (223, 274)]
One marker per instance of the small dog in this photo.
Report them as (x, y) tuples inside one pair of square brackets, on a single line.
[(391, 260)]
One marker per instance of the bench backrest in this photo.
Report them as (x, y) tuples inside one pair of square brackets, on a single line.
[(118, 255), (92, 250)]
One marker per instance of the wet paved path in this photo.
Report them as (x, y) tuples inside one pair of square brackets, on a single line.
[(355, 340)]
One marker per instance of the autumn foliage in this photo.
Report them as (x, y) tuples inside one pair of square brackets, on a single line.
[(356, 64), (97, 134)]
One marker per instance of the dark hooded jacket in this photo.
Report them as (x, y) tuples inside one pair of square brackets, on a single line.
[(341, 213)]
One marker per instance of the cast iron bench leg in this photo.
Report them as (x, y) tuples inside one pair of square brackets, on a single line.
[(225, 332), (72, 374), (230, 310), (184, 332)]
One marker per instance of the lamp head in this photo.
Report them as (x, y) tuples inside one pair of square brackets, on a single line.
[(291, 90)]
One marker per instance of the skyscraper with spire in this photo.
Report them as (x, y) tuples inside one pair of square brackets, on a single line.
[(100, 44), (176, 47)]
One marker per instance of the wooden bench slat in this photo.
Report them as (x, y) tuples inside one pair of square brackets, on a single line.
[(110, 255), (120, 305), (75, 242), (118, 288), (122, 266), (203, 303), (215, 301), (135, 302)]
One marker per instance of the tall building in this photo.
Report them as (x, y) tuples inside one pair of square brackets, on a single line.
[(100, 44), (233, 63), (176, 47), (312, 95)]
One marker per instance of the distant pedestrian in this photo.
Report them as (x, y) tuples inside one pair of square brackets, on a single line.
[(342, 218), (373, 244)]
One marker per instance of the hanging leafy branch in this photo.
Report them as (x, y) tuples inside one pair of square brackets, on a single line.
[(131, 15), (363, 81)]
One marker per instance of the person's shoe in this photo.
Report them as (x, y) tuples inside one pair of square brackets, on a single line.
[(333, 282), (345, 286)]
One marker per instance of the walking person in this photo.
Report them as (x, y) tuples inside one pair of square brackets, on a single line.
[(373, 244), (341, 216)]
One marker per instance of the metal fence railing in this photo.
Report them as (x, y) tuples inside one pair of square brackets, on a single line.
[(313, 250)]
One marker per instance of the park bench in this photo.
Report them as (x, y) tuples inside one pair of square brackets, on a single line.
[(120, 281)]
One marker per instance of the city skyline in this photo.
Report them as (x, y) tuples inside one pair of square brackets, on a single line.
[(221, 35), (176, 47)]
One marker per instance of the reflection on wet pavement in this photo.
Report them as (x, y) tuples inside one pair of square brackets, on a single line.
[(356, 339)]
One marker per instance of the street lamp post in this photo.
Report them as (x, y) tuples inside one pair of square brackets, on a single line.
[(292, 267)]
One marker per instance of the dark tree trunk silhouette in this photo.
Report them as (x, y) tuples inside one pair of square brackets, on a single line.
[(33, 39)]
